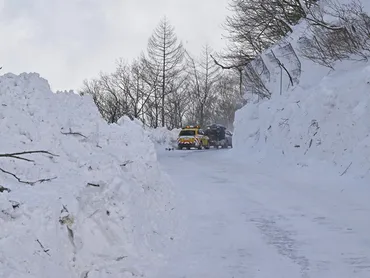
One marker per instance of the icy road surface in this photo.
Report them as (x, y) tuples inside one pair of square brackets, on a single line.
[(245, 221)]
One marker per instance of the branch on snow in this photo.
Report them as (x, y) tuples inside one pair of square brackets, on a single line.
[(73, 133), (125, 163), (93, 184), (24, 181), (42, 247), (3, 188), (18, 155), (345, 171)]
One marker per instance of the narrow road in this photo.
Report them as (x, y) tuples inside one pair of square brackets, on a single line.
[(239, 221)]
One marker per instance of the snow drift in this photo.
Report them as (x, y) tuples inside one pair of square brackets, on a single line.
[(323, 119), (162, 136), (94, 204)]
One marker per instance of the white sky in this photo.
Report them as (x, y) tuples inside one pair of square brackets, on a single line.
[(67, 41)]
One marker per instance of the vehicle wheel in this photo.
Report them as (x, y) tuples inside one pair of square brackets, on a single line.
[(206, 147)]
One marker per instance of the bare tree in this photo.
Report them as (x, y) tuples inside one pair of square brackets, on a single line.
[(227, 100), (257, 24), (165, 55), (110, 101), (152, 83), (204, 75), (178, 102), (347, 36), (130, 81), (161, 87)]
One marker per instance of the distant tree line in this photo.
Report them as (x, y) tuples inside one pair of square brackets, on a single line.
[(167, 86)]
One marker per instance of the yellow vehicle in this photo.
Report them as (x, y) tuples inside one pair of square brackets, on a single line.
[(192, 137)]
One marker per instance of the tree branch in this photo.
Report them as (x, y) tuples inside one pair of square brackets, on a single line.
[(227, 67), (283, 67), (73, 133), (24, 181), (42, 247), (324, 25), (3, 188), (16, 155)]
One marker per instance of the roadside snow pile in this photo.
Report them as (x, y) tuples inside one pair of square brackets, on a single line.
[(92, 204), (322, 120), (162, 136)]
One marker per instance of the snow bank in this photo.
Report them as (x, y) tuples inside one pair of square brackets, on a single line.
[(322, 120), (162, 136), (96, 205)]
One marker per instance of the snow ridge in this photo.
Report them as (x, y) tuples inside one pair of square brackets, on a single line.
[(321, 120), (104, 207)]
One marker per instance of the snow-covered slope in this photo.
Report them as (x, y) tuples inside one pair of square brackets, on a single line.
[(95, 205), (322, 120), (163, 137)]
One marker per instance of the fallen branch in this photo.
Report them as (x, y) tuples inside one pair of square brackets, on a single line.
[(15, 204), (125, 163), (43, 248), (345, 171), (3, 188), (8, 214), (93, 184), (73, 133), (64, 209), (24, 181), (121, 258), (17, 155)]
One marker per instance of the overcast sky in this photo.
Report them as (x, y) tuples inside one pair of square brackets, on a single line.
[(67, 41)]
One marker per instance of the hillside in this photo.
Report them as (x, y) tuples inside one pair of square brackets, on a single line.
[(92, 203), (320, 122)]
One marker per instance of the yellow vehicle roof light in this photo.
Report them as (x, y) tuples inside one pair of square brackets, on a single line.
[(191, 126)]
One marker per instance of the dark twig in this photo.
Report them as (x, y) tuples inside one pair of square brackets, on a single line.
[(43, 248), (93, 184), (243, 64), (17, 155), (3, 188), (24, 181), (126, 162), (73, 133), (345, 171)]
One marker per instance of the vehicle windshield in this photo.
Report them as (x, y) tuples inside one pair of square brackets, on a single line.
[(187, 133)]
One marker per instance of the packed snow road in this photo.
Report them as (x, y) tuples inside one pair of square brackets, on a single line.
[(242, 220)]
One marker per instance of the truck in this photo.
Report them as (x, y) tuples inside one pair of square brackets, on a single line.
[(216, 134)]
